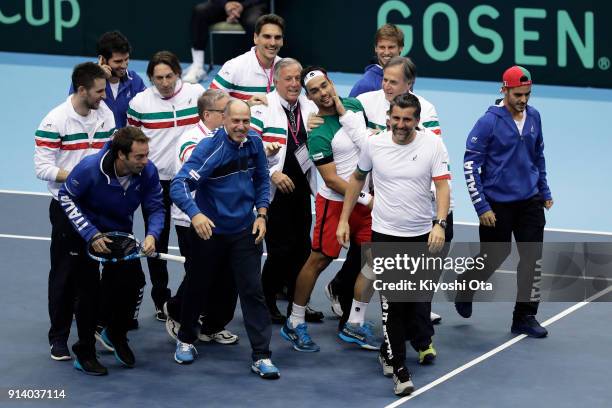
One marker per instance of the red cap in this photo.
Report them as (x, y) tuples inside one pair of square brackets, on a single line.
[(516, 76)]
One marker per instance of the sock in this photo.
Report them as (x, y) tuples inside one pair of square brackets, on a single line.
[(298, 315), (358, 310), (198, 58)]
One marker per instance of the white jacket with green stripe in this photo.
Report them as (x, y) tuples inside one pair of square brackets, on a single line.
[(270, 121), (64, 138), (184, 147), (164, 120), (242, 77)]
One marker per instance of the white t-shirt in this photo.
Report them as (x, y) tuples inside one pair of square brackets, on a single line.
[(114, 89), (402, 176)]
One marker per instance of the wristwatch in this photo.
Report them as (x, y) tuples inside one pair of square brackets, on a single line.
[(264, 216), (441, 223)]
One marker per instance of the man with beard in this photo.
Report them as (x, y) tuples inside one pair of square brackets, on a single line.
[(73, 130), (505, 171), (403, 163)]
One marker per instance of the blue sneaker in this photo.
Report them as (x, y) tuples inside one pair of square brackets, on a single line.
[(299, 337), (528, 325), (102, 337), (185, 353), (122, 350), (359, 334), (265, 369)]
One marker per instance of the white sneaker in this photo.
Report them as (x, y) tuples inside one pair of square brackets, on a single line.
[(435, 318), (222, 337), (333, 298), (172, 326), (386, 368), (194, 74)]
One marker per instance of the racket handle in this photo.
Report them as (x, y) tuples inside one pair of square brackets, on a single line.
[(168, 257)]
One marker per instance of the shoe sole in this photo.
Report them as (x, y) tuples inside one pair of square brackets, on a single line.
[(406, 391), (78, 367), (513, 331), (170, 326), (266, 376), (437, 320), (361, 344), (183, 362), (334, 303), (226, 342), (104, 344), (61, 358), (296, 348)]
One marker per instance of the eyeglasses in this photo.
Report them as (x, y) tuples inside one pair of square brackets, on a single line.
[(214, 110)]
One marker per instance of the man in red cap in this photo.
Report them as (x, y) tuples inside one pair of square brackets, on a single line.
[(505, 174)]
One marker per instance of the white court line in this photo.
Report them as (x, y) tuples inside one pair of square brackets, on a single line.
[(553, 275), (35, 238), (496, 350), (471, 224)]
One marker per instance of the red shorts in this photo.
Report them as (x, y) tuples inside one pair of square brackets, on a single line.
[(327, 217)]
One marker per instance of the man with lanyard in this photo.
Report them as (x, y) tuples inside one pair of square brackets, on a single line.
[(293, 180), (219, 307), (505, 171), (73, 130), (403, 162), (100, 195), (122, 85), (335, 154), (229, 173), (250, 75), (164, 111)]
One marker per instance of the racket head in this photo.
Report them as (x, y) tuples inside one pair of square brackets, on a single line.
[(123, 247)]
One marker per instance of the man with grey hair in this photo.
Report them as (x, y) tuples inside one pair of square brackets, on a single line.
[(218, 308), (293, 179)]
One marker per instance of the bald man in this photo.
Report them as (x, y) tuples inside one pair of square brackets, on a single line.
[(229, 173)]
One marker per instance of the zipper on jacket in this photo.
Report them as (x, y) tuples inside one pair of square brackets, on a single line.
[(174, 115)]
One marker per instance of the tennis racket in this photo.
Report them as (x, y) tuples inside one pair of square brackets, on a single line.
[(124, 247)]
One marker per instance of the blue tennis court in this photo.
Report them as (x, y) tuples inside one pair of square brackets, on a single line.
[(480, 363)]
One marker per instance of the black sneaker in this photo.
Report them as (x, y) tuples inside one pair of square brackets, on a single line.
[(464, 309), (313, 316), (124, 354), (60, 351), (90, 366), (160, 315), (275, 315), (528, 325), (402, 382)]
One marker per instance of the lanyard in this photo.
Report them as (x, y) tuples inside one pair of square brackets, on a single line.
[(174, 94), (269, 77), (294, 133)]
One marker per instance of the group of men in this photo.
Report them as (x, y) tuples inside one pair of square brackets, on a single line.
[(238, 163)]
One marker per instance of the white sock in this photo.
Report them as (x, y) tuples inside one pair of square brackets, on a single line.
[(198, 58), (358, 310), (298, 315)]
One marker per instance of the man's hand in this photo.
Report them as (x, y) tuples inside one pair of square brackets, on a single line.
[(313, 122), (257, 100), (272, 148), (488, 219), (108, 72), (148, 246), (548, 204), (233, 9), (343, 233), (282, 182), (98, 243), (259, 227), (436, 239), (203, 225), (339, 106)]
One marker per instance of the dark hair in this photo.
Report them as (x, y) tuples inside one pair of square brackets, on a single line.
[(407, 100), (123, 139), (112, 41), (269, 19), (389, 32), (408, 67), (164, 57), (305, 72), (85, 74)]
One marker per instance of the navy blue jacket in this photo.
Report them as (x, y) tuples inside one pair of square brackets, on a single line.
[(129, 86), (229, 178), (370, 81), (502, 165), (94, 201)]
